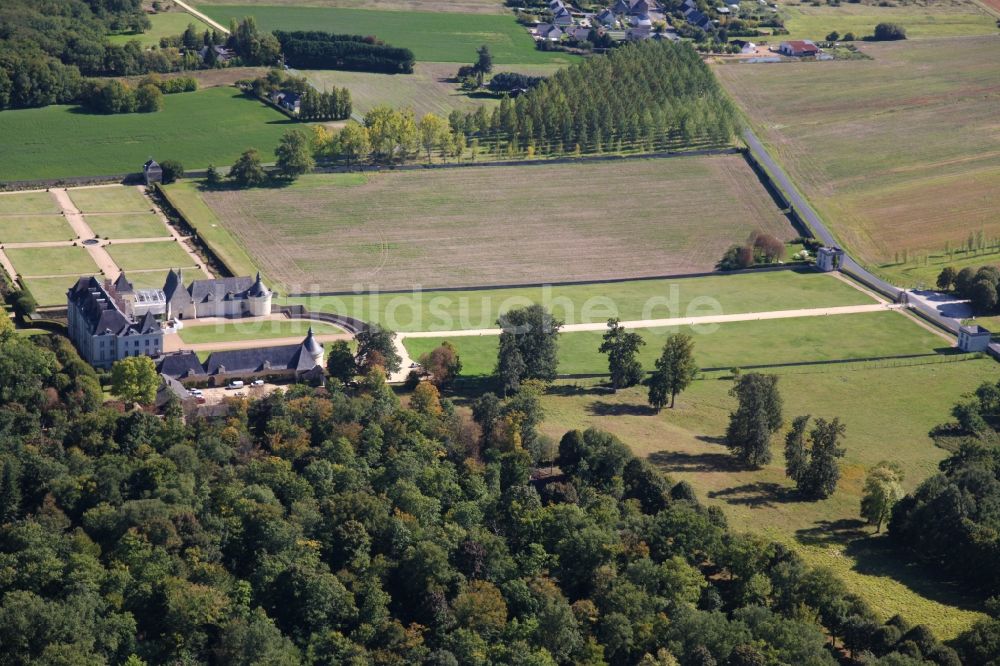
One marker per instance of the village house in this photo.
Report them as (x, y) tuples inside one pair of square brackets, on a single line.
[(222, 54), (217, 297), (798, 48), (548, 32), (288, 100), (638, 33), (101, 329), (607, 18)]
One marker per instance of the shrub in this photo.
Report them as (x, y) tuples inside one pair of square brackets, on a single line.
[(172, 170), (885, 32)]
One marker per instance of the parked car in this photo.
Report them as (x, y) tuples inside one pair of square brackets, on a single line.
[(235, 384), (196, 393), (257, 382)]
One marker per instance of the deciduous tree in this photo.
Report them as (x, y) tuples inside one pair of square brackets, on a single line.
[(882, 490), (294, 154), (757, 417), (622, 348), (674, 372), (134, 380), (248, 170)]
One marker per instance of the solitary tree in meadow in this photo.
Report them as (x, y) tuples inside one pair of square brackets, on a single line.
[(675, 370), (622, 347), (248, 171), (757, 417)]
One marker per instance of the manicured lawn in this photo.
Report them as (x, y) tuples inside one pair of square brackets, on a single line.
[(184, 196), (504, 225), (198, 128), (888, 413), (114, 199), (165, 24), (50, 291), (587, 303), (737, 344), (155, 279), (145, 256), (430, 89), (34, 228), (898, 154), (434, 37), (128, 225), (806, 22), (253, 330), (27, 203), (52, 261)]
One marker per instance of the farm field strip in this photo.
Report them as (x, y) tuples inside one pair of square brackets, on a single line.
[(739, 344), (500, 225), (451, 6), (939, 20), (432, 36), (910, 147), (196, 128)]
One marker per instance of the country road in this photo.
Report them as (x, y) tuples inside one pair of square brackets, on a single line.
[(194, 12)]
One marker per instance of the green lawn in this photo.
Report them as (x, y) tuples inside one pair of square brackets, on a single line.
[(684, 442), (165, 24), (128, 225), (27, 203), (114, 199), (34, 228), (209, 126), (50, 291), (807, 22), (434, 37), (737, 344), (148, 256), (586, 303), (253, 330), (184, 196), (67, 260)]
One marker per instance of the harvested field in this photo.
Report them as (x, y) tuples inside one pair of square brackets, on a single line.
[(930, 19), (500, 225), (428, 90), (900, 154), (456, 6)]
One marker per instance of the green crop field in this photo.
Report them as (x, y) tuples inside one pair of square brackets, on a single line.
[(34, 228), (27, 203), (430, 89), (433, 37), (737, 344), (500, 225), (684, 442), (936, 19), (128, 225), (208, 126), (587, 303), (451, 6), (165, 24), (253, 330), (149, 256), (40, 261), (113, 199), (899, 154), (184, 197)]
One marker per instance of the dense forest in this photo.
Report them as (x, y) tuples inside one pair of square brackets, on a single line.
[(323, 50), (335, 526), (647, 96)]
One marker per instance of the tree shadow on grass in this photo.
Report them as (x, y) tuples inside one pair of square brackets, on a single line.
[(756, 494), (603, 408), (570, 390), (711, 439), (829, 532), (680, 461)]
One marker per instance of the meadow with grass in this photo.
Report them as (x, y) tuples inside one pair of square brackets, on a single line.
[(934, 19), (165, 24), (888, 412), (197, 128), (897, 153), (432, 36), (44, 261), (109, 199), (34, 228), (451, 6), (500, 225)]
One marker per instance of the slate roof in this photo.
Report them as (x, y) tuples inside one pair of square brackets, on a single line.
[(203, 291), (181, 364), (101, 312), (170, 387), (122, 285), (284, 357)]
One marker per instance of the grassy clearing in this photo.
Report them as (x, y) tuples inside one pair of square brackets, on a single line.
[(454, 6), (428, 90), (684, 442), (34, 228), (253, 330), (114, 199), (196, 128), (433, 37), (165, 24), (587, 303), (886, 149), (125, 225), (804, 21), (27, 203), (66, 260), (500, 225), (184, 196), (738, 344), (148, 256)]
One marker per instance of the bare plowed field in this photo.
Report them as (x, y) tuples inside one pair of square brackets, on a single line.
[(900, 154), (500, 225)]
